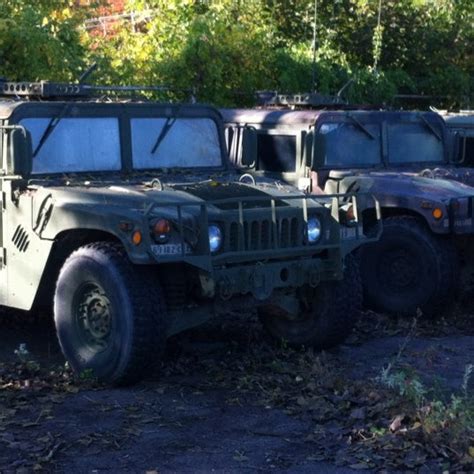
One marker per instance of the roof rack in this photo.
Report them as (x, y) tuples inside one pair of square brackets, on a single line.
[(58, 90), (312, 99)]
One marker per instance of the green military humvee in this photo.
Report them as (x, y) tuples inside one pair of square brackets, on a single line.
[(425, 253), (128, 216)]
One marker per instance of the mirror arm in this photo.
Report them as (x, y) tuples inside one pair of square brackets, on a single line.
[(11, 164), (14, 127)]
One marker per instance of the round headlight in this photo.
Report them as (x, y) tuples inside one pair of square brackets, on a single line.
[(314, 229), (215, 238)]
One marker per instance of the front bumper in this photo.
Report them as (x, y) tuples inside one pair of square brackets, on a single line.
[(262, 279)]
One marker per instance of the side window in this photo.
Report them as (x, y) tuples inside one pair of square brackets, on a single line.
[(233, 139), (465, 149), (349, 145), (276, 153)]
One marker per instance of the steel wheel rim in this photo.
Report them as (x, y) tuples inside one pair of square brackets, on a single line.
[(93, 316), (399, 269)]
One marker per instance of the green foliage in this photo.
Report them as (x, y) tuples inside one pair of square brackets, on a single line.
[(224, 51), (39, 40), (216, 50), (434, 413)]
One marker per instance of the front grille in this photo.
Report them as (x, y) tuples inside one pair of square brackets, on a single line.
[(260, 234)]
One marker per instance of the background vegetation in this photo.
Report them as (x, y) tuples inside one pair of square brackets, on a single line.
[(226, 50)]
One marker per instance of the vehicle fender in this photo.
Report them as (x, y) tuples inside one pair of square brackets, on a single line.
[(119, 222), (399, 195)]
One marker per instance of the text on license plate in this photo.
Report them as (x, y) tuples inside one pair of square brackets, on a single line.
[(348, 233), (170, 249)]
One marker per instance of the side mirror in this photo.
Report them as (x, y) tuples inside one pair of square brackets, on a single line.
[(319, 149), (249, 147), (309, 149), (19, 152)]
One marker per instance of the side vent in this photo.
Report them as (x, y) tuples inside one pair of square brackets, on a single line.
[(20, 239)]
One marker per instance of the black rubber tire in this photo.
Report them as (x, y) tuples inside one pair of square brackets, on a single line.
[(138, 321), (427, 268), (332, 309)]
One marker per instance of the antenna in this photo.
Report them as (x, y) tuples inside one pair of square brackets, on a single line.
[(313, 85), (87, 73), (344, 87), (377, 38)]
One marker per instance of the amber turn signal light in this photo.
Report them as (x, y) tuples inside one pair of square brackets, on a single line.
[(437, 213), (137, 237)]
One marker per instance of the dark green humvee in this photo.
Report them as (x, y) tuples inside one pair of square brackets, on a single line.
[(128, 216), (425, 252)]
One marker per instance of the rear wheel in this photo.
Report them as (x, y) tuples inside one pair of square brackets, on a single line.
[(328, 315), (109, 314), (408, 268)]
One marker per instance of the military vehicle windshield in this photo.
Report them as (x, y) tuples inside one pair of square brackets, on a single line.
[(89, 144), (187, 143), (349, 144), (346, 144), (414, 143)]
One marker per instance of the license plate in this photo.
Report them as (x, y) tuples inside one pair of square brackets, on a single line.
[(170, 249), (463, 222), (348, 232)]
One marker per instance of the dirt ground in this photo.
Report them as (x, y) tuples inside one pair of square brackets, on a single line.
[(225, 400)]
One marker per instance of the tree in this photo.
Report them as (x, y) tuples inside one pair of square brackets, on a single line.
[(40, 40)]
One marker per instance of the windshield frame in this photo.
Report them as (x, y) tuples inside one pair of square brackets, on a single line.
[(124, 112)]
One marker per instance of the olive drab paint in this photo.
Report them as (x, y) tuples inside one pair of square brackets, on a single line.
[(47, 215)]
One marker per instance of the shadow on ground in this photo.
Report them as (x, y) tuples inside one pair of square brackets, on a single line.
[(226, 400)]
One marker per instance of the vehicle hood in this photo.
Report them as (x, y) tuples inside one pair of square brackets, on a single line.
[(220, 194), (460, 174), (408, 183)]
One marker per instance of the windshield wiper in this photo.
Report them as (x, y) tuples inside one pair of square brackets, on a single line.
[(170, 121), (432, 129), (49, 129), (362, 127)]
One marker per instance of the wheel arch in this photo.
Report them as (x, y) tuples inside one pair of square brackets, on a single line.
[(64, 244), (395, 211)]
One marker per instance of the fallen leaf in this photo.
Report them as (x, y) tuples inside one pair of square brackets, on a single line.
[(396, 424)]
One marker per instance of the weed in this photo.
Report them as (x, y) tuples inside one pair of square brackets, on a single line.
[(466, 379), (87, 375), (26, 358)]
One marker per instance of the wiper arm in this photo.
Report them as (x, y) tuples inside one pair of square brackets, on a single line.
[(362, 127), (432, 129), (49, 129), (170, 121)]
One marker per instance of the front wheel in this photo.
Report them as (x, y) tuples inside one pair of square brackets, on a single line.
[(409, 268), (329, 313), (109, 314)]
